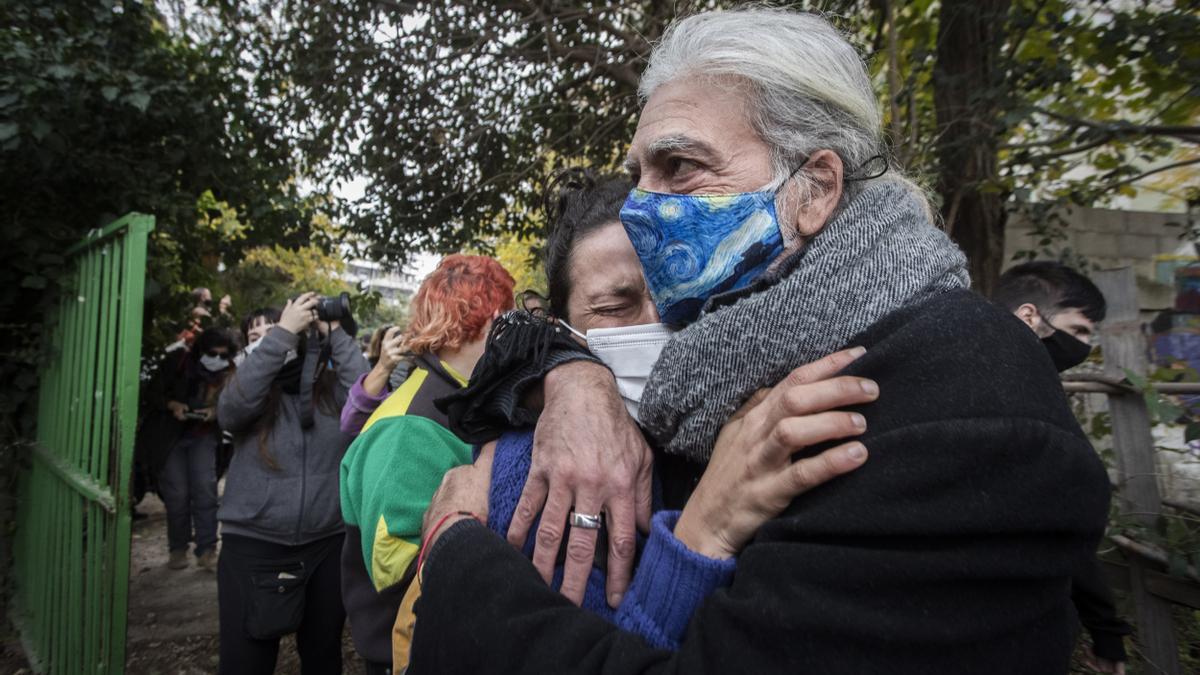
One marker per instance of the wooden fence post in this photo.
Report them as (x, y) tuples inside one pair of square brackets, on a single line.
[(1124, 347)]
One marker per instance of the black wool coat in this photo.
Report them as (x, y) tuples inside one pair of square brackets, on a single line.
[(950, 551)]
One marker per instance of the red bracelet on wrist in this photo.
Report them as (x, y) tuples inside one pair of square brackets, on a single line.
[(429, 538)]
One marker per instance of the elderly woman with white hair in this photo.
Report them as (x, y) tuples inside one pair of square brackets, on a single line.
[(772, 233)]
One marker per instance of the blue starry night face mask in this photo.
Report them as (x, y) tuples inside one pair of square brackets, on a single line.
[(693, 247)]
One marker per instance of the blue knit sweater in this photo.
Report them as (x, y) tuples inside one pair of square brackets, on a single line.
[(670, 581)]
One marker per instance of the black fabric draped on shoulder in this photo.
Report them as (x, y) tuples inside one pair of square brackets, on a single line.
[(521, 349)]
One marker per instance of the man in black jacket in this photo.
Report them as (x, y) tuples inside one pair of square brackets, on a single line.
[(767, 229), (1062, 307)]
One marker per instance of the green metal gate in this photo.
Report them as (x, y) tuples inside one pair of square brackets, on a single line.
[(72, 540)]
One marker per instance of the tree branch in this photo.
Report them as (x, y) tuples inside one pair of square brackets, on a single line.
[(1066, 135), (1151, 172), (1037, 159), (593, 56), (1126, 128)]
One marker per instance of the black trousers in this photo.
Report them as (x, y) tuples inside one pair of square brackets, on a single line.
[(319, 634)]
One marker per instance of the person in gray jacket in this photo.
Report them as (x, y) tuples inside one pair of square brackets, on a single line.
[(281, 520)]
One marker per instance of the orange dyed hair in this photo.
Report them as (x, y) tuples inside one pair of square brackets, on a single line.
[(456, 301)]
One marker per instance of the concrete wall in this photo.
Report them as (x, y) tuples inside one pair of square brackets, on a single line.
[(1109, 239)]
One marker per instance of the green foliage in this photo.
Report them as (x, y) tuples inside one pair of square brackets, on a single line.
[(104, 111), (1089, 100), (520, 256), (460, 105), (450, 109), (268, 275), (373, 313), (1114, 87)]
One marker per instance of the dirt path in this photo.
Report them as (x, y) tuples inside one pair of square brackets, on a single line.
[(173, 613)]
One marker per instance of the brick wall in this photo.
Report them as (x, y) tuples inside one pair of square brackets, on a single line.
[(1109, 238)]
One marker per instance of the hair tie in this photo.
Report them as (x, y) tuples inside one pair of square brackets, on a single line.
[(571, 178)]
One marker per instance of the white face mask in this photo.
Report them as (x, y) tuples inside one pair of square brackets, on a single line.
[(237, 360), (252, 346), (630, 352), (214, 364)]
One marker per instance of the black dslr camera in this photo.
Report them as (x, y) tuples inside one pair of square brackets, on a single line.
[(337, 308), (334, 309)]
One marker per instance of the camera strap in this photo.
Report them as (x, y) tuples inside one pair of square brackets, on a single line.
[(308, 378)]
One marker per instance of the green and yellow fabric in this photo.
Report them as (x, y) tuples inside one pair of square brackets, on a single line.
[(388, 476)]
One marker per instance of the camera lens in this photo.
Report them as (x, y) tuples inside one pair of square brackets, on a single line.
[(334, 309)]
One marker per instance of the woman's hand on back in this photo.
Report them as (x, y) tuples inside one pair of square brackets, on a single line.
[(299, 314), (464, 489), (751, 477)]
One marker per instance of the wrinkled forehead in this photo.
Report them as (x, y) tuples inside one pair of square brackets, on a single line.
[(703, 114)]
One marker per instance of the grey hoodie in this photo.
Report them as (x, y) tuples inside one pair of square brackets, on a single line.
[(297, 502)]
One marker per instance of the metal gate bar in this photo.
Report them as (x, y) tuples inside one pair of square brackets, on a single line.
[(73, 519)]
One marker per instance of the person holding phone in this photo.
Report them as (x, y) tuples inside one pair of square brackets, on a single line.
[(187, 481)]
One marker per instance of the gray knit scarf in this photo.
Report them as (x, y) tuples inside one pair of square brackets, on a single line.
[(880, 254)]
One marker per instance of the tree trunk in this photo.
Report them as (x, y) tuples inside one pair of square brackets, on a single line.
[(968, 81)]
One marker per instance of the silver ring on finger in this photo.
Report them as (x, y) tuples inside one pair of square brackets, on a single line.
[(585, 522)]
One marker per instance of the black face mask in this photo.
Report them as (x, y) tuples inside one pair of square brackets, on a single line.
[(1066, 351), (288, 376)]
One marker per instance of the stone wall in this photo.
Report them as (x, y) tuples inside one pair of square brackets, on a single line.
[(1110, 238), (1151, 243)]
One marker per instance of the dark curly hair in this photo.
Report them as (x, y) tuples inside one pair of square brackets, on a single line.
[(578, 202)]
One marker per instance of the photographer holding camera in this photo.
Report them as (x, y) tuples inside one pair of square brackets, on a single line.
[(282, 525)]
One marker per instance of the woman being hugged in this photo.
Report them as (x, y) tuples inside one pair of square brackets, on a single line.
[(278, 572)]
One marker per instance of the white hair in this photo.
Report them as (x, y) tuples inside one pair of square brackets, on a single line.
[(808, 86)]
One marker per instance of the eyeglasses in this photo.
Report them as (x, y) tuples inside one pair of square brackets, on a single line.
[(213, 353)]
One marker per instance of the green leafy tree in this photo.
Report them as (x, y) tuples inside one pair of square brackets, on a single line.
[(451, 108), (103, 111), (268, 275), (521, 257), (1064, 101), (372, 317)]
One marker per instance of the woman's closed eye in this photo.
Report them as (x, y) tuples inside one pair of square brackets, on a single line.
[(612, 310)]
